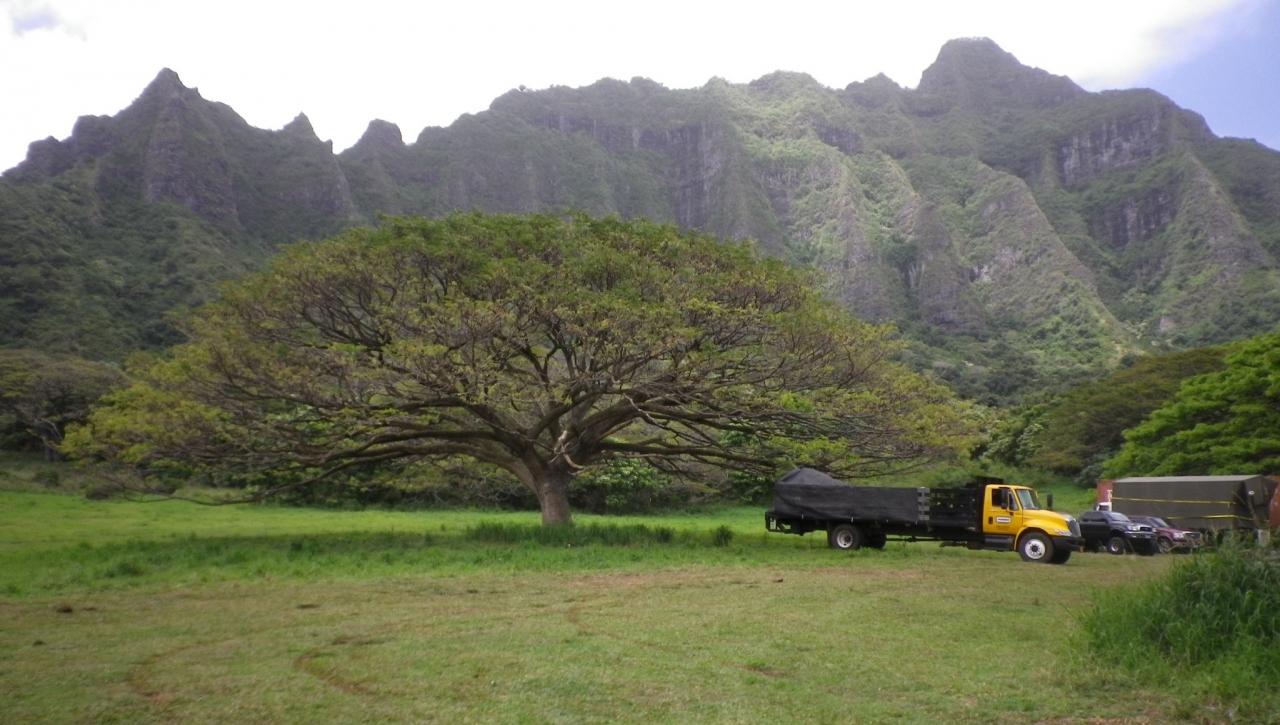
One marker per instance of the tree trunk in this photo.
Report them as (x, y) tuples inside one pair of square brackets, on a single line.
[(50, 437), (553, 497)]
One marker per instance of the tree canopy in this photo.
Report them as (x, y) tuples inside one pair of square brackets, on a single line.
[(540, 344), (41, 394), (1226, 422), (1088, 423)]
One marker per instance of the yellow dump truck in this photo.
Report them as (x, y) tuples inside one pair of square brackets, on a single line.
[(985, 515)]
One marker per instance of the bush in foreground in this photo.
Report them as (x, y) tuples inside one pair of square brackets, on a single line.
[(1210, 629)]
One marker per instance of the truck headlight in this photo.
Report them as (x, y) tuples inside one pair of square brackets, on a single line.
[(1179, 535), (1061, 532)]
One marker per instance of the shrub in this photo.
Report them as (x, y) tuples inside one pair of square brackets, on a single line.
[(722, 536), (48, 477), (101, 491), (633, 486), (1212, 625), (619, 486)]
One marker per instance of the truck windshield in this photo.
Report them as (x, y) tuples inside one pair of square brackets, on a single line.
[(1028, 499)]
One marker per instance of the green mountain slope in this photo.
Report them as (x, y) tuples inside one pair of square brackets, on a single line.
[(1023, 232)]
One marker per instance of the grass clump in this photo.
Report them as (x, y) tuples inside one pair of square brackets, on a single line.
[(1208, 630), (498, 532), (722, 536)]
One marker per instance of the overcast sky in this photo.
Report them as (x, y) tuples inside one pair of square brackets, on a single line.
[(421, 64)]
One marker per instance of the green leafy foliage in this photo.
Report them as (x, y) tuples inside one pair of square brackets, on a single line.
[(85, 277), (452, 483), (41, 395), (537, 344), (1089, 421), (631, 485), (1226, 422), (1013, 436)]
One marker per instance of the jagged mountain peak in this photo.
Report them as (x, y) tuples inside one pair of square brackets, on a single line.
[(974, 48), (979, 73), (381, 134), (300, 126), (166, 83)]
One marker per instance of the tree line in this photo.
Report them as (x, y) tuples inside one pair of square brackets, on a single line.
[(589, 362)]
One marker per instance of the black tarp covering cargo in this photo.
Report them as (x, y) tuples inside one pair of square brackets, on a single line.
[(1197, 502), (806, 493)]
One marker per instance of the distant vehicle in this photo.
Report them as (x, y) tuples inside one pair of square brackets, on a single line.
[(1115, 533), (986, 515), (1169, 538), (1213, 505)]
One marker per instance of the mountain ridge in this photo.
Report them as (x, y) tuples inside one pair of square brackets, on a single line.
[(1021, 230)]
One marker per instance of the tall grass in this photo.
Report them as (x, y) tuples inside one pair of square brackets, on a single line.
[(497, 532), (1210, 629)]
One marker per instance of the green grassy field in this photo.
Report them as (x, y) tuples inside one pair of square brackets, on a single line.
[(138, 612)]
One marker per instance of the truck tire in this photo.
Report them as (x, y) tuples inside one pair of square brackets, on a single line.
[(1165, 545), (1036, 547), (1060, 556), (844, 536), (1117, 545)]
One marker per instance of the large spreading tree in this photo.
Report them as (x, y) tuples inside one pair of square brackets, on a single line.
[(539, 344)]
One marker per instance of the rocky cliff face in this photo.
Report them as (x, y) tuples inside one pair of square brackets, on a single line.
[(997, 212)]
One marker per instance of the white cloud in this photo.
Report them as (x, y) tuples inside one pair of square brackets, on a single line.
[(425, 63)]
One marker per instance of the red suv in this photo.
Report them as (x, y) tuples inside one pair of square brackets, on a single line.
[(1168, 538)]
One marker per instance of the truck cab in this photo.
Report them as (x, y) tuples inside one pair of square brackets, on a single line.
[(1012, 518)]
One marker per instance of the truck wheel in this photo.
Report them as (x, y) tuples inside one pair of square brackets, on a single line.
[(1060, 556), (1117, 545), (1035, 547), (876, 541), (844, 536), (1165, 545)]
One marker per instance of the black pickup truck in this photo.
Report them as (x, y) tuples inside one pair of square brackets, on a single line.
[(1115, 533)]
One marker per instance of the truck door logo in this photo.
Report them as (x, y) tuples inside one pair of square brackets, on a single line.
[(1003, 519)]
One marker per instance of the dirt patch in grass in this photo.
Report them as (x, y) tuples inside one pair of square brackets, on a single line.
[(313, 662)]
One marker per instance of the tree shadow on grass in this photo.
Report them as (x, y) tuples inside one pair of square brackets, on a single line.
[(483, 546)]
